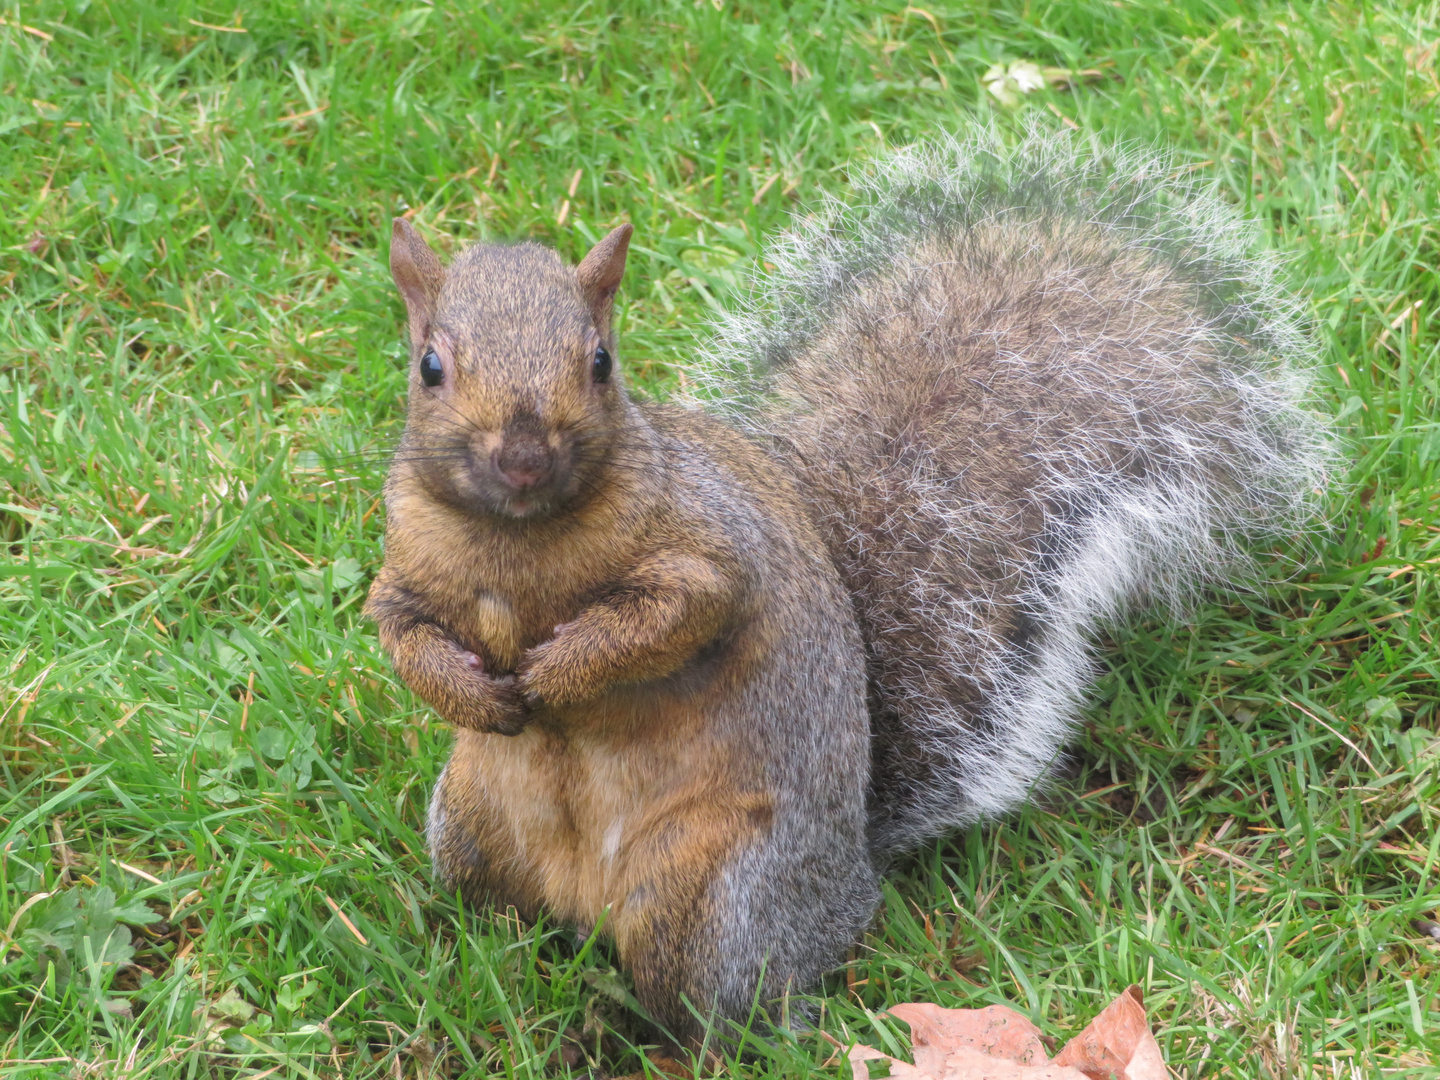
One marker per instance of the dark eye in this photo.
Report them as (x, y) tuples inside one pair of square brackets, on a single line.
[(431, 373), (601, 368)]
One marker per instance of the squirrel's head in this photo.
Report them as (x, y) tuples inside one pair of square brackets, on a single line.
[(514, 399)]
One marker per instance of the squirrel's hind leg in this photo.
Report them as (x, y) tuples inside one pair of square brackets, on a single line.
[(733, 912), (467, 837)]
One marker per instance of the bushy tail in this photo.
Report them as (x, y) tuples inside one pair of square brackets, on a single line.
[(1023, 389)]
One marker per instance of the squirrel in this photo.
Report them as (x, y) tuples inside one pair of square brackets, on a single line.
[(713, 664)]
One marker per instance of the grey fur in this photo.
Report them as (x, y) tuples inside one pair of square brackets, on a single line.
[(997, 399), (1023, 389)]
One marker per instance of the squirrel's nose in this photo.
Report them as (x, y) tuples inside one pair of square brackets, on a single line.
[(524, 461)]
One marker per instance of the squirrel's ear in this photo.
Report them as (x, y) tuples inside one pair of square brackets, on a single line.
[(418, 274), (600, 273)]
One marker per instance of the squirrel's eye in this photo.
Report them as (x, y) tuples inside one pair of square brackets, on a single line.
[(601, 369), (431, 373)]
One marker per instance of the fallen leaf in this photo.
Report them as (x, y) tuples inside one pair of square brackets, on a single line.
[(1117, 1044), (231, 1008), (962, 1064), (223, 1016), (664, 1066), (1008, 82), (997, 1043), (860, 1071), (995, 1030)]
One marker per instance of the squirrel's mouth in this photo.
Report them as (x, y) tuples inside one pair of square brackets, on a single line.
[(493, 495), (478, 501), (493, 501), (522, 508)]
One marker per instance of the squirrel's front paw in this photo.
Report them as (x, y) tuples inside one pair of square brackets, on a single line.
[(550, 674), (487, 704)]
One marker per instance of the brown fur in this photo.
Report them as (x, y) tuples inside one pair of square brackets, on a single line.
[(631, 623)]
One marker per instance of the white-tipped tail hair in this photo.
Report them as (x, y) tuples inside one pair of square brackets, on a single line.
[(1024, 388)]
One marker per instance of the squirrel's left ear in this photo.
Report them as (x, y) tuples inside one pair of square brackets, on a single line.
[(600, 275)]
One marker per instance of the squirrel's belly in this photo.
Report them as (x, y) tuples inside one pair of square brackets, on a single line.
[(579, 815)]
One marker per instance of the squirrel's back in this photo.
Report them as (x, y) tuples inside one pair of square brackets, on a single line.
[(1022, 389)]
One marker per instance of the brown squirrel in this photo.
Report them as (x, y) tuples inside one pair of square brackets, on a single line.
[(710, 668)]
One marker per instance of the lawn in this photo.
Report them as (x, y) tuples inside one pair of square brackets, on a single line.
[(211, 859)]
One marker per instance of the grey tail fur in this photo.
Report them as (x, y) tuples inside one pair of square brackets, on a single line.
[(1024, 390)]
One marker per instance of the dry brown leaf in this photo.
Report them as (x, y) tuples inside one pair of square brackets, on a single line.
[(962, 1064), (665, 1066), (996, 1043), (1117, 1044), (860, 1071), (997, 1031)]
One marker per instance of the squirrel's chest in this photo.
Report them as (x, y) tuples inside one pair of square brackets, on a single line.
[(500, 630), (501, 615), (501, 627)]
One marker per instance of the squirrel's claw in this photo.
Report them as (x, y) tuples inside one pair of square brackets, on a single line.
[(528, 690), (509, 728), (515, 711)]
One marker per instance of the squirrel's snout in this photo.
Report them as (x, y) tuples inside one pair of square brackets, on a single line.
[(524, 460), (522, 470)]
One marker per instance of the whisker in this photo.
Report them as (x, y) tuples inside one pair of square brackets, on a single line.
[(470, 424)]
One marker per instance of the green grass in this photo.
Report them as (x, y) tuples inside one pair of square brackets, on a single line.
[(206, 761)]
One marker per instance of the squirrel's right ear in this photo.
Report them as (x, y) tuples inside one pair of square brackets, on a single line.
[(418, 275)]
